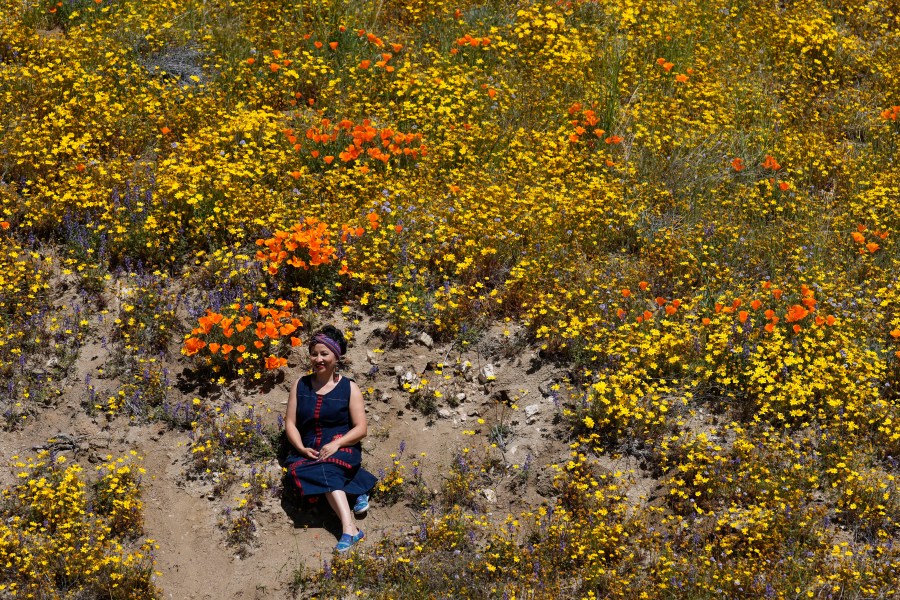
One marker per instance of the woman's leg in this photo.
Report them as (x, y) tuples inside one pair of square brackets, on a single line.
[(341, 506)]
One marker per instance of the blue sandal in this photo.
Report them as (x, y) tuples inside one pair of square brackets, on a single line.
[(362, 505), (347, 541)]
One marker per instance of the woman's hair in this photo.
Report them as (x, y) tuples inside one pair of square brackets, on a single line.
[(331, 332)]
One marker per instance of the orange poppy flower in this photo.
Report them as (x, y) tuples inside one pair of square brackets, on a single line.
[(643, 285), (671, 309), (742, 316), (620, 313), (770, 327), (737, 164), (705, 321), (273, 362), (771, 163), (193, 345), (872, 247), (795, 313), (755, 304), (213, 348)]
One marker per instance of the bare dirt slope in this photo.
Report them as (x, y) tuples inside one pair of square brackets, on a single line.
[(497, 390)]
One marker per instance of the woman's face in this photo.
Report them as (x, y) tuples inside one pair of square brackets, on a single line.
[(323, 360)]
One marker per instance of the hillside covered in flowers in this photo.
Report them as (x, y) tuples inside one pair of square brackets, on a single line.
[(690, 209)]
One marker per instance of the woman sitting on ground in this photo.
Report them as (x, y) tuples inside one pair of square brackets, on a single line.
[(325, 421)]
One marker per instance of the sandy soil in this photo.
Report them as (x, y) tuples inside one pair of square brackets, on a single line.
[(183, 516)]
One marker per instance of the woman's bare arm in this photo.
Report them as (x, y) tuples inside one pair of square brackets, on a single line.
[(290, 427), (357, 419)]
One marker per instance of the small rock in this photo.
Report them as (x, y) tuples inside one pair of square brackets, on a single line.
[(530, 420), (461, 397), (371, 357), (444, 413), (503, 396), (489, 495), (487, 373), (398, 370), (463, 418), (546, 388), (425, 340), (531, 410), (376, 418), (407, 377), (474, 413)]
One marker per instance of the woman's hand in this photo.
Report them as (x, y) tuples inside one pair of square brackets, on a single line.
[(309, 453), (329, 449)]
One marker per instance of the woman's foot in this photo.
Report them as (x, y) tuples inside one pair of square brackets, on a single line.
[(362, 505), (347, 541)]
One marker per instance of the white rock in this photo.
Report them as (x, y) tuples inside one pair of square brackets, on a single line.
[(489, 495), (487, 373), (425, 340), (371, 357), (532, 409), (444, 413), (461, 397)]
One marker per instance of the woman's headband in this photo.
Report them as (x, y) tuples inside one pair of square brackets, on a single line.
[(321, 338)]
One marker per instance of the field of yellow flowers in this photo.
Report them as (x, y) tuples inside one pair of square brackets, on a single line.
[(690, 206)]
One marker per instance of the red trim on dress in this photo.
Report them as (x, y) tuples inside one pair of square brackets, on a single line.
[(337, 461), (316, 413)]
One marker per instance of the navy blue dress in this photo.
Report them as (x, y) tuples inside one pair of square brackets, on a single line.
[(322, 418)]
